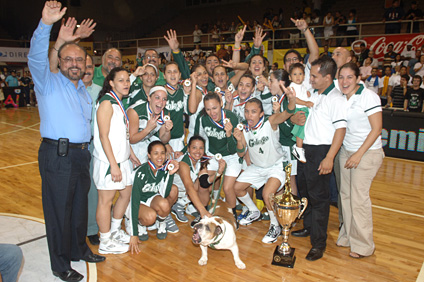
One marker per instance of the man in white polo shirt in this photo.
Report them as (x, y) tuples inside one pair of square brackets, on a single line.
[(324, 132)]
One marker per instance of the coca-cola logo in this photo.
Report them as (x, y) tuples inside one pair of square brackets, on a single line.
[(356, 46), (380, 44)]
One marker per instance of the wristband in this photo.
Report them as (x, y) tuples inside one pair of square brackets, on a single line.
[(291, 111), (304, 30), (218, 174), (176, 52), (241, 150), (238, 49)]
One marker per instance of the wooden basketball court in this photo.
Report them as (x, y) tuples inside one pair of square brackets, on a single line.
[(397, 195)]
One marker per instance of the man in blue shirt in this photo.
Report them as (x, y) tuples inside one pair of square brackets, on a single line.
[(12, 80), (64, 159)]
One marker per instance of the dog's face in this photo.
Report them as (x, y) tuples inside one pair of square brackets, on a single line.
[(207, 229)]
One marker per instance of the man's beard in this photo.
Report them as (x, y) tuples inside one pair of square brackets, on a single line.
[(70, 74)]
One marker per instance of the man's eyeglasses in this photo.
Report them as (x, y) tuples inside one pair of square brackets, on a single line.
[(68, 60)]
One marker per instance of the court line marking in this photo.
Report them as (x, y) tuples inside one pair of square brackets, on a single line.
[(398, 211), (10, 166), (91, 267), (420, 277), (20, 126), (31, 240)]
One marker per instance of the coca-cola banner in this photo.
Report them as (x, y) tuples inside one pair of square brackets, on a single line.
[(379, 43)]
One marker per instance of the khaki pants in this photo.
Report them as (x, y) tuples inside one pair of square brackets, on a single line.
[(357, 227)]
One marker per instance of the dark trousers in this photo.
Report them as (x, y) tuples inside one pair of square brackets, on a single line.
[(65, 185), (316, 188)]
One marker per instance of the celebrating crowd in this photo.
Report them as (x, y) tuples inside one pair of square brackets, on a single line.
[(167, 142)]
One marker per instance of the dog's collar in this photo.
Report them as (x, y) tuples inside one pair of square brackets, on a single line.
[(212, 245)]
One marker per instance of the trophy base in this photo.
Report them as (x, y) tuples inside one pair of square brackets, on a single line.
[(283, 260)]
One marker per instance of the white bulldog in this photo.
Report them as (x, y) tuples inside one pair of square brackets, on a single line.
[(217, 232)]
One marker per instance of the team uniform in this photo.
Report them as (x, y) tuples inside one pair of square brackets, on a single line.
[(266, 98), (267, 156), (136, 92), (144, 115), (193, 116), (218, 142), (119, 141), (177, 107), (326, 116), (286, 136), (194, 173), (357, 227), (238, 108), (147, 185)]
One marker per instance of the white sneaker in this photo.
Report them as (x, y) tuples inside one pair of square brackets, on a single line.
[(272, 234), (110, 246), (121, 236), (161, 233), (299, 153), (142, 233), (250, 217)]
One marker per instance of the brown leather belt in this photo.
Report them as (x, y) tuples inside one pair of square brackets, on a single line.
[(81, 146)]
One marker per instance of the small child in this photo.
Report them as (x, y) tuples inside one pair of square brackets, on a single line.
[(297, 75)]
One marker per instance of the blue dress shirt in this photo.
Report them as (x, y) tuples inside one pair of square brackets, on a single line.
[(65, 111)]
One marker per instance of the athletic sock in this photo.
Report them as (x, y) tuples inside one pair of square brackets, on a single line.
[(115, 224), (273, 218), (161, 219), (105, 236), (249, 203)]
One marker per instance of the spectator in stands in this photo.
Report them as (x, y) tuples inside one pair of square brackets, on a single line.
[(413, 61), (366, 69), (394, 13), (364, 53), (294, 34), (316, 20), (197, 33), (215, 34), (414, 96), (274, 67), (351, 28), (340, 30), (326, 52), (384, 93), (397, 96), (374, 62), (1, 92), (373, 82), (414, 14), (12, 80), (139, 60), (196, 52), (202, 59), (328, 23), (390, 56), (223, 53), (395, 78), (355, 60), (407, 54), (419, 67), (397, 61)]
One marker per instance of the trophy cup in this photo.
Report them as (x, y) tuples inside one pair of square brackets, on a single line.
[(287, 209)]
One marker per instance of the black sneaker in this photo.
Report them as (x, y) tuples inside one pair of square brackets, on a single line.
[(195, 221)]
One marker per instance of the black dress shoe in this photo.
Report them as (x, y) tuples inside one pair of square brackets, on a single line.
[(94, 239), (69, 275), (301, 233), (94, 258), (315, 254)]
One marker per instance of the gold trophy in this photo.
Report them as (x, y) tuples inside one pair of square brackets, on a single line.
[(287, 209)]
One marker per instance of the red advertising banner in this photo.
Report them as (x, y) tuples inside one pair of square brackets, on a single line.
[(379, 43)]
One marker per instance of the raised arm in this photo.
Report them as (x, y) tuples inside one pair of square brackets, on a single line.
[(176, 52), (310, 39), (237, 44), (38, 53)]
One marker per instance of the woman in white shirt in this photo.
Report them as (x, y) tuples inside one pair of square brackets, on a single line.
[(360, 158)]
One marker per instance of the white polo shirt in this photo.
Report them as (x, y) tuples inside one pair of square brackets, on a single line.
[(360, 106), (328, 114)]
